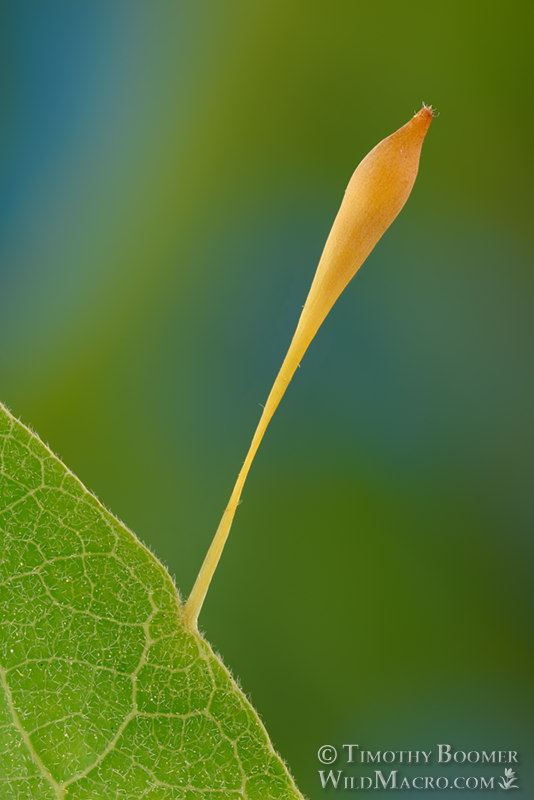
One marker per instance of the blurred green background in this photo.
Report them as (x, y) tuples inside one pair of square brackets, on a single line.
[(169, 173)]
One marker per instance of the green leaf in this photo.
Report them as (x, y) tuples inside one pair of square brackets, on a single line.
[(105, 694)]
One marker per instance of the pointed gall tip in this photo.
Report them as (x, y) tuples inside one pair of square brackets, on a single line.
[(424, 117), (427, 111)]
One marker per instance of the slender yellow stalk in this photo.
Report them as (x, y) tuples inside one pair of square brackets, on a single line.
[(376, 193)]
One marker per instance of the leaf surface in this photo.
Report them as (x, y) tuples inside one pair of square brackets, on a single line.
[(104, 694)]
